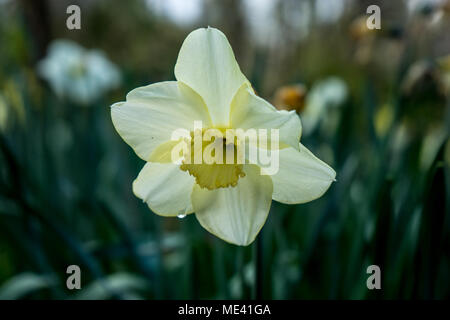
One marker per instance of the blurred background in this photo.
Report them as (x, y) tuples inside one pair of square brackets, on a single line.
[(375, 105)]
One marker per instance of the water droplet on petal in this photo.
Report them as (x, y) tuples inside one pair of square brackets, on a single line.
[(181, 216)]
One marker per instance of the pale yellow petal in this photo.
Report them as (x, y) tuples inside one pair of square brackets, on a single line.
[(207, 64), (165, 188), (301, 177), (235, 214), (248, 111), (151, 114), (165, 152)]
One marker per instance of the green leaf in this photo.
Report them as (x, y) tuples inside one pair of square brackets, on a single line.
[(24, 284)]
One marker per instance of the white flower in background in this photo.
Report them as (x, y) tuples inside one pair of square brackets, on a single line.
[(233, 200), (329, 93), (80, 75), (415, 6)]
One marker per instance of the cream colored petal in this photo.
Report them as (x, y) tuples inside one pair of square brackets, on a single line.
[(152, 113), (165, 188), (166, 152), (237, 214), (207, 64), (248, 111), (301, 177)]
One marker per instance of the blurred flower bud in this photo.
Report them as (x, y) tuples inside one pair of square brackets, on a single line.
[(290, 98), (358, 28), (384, 118)]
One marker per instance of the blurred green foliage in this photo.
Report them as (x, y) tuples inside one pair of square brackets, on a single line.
[(65, 174)]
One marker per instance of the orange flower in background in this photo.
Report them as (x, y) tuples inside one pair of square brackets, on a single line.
[(290, 98)]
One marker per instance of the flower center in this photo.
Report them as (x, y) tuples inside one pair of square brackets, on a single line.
[(78, 70), (213, 160)]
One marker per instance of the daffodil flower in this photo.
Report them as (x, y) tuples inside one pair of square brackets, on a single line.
[(323, 97), (76, 73), (231, 201)]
